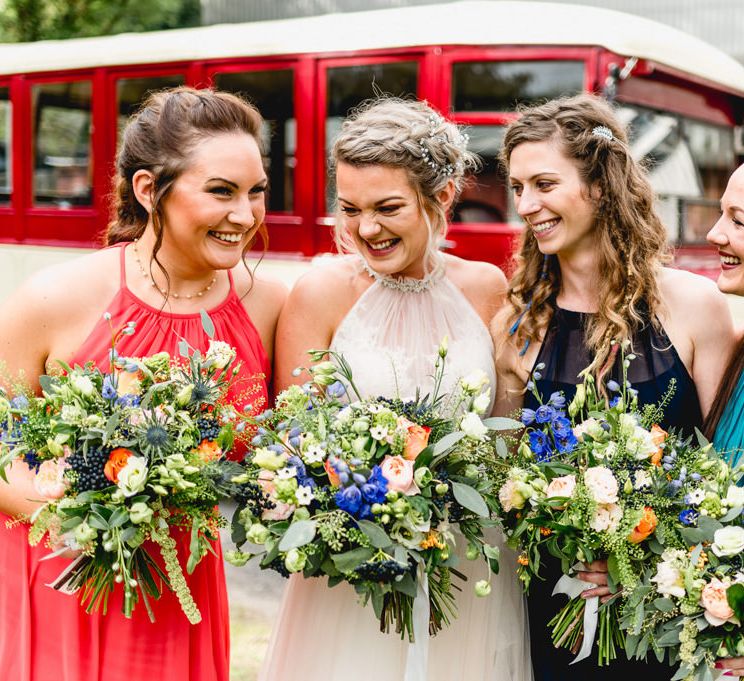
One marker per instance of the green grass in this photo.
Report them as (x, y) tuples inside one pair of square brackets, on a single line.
[(249, 636)]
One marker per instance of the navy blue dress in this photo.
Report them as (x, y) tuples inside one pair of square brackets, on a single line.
[(565, 354)]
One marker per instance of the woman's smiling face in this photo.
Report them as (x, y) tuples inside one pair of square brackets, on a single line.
[(728, 235), (382, 214), (551, 197)]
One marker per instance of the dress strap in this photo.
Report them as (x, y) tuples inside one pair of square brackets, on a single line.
[(123, 265)]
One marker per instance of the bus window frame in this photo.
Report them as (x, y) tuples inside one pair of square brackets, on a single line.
[(8, 209), (323, 220), (294, 225)]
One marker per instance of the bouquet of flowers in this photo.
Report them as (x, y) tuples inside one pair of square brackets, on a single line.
[(371, 491), (599, 479), (691, 600), (125, 456)]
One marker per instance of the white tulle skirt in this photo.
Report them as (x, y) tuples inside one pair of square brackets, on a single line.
[(324, 634)]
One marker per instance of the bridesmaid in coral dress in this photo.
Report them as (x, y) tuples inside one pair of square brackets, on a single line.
[(189, 202)]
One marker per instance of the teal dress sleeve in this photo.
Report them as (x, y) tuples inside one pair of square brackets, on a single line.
[(729, 436)]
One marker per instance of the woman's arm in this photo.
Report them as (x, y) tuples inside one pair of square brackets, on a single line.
[(314, 308)]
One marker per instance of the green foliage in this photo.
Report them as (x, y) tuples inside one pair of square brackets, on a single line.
[(30, 20)]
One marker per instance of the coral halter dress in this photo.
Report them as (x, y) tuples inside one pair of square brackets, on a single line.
[(46, 635)]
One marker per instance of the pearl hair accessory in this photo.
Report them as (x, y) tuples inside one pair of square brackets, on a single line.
[(168, 294), (446, 169), (603, 131)]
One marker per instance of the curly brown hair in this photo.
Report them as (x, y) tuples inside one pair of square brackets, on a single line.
[(631, 240)]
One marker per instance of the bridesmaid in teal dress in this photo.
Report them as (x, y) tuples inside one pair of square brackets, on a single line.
[(725, 422)]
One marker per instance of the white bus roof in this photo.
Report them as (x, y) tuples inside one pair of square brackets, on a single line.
[(470, 22)]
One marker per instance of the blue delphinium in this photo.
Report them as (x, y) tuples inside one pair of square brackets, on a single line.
[(689, 516), (540, 446), (109, 388), (557, 400), (544, 413), (359, 491), (349, 499), (528, 416)]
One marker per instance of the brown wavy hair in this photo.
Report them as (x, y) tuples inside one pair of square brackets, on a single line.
[(631, 240), (160, 137), (725, 390)]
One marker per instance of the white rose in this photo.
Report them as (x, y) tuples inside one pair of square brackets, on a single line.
[(642, 479), (220, 353), (590, 427), (601, 484), (482, 402), (472, 426), (735, 496), (82, 384), (728, 541), (641, 444), (669, 580), (606, 518), (133, 476), (474, 381), (563, 486)]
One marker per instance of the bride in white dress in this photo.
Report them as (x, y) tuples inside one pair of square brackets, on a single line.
[(387, 307)]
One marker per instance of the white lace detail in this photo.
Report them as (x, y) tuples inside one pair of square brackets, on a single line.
[(390, 339), (407, 284)]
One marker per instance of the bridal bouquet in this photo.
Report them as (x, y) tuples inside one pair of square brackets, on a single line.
[(371, 491), (597, 478), (126, 456), (691, 600)]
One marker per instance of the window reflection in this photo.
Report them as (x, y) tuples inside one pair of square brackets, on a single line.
[(62, 142), (500, 86), (132, 92), (272, 92), (6, 178), (688, 164), (485, 197)]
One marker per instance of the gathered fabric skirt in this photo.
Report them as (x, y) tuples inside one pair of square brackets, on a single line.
[(46, 635), (324, 634)]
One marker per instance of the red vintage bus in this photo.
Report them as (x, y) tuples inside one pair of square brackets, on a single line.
[(63, 103)]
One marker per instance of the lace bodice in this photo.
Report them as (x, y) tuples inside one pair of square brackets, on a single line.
[(391, 336)]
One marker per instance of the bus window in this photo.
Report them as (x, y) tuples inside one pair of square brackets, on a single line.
[(500, 86), (131, 92), (688, 164), (485, 197), (62, 130), (6, 182), (348, 86), (272, 92)]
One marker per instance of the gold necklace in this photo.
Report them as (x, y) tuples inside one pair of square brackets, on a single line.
[(168, 294)]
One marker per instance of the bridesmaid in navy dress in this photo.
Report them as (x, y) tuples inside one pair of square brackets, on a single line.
[(590, 270)]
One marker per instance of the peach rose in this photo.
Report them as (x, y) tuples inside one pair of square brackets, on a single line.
[(208, 450), (128, 383), (417, 438), (715, 602), (116, 462), (281, 511), (49, 481), (562, 486), (399, 474), (658, 436), (645, 527)]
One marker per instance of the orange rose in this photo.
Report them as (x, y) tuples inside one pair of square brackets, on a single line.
[(116, 461), (658, 435), (208, 450), (646, 525), (332, 475), (417, 438), (128, 383)]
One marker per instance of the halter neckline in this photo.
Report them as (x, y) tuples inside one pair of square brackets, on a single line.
[(407, 284)]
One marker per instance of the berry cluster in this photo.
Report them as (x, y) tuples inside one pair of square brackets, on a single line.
[(278, 566), (384, 571), (456, 512), (208, 427), (89, 469), (251, 496)]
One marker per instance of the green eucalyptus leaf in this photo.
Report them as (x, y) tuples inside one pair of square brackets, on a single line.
[(502, 423), (470, 498), (207, 323), (346, 562), (449, 440), (47, 383), (376, 535), (298, 534), (664, 604), (406, 585), (735, 597)]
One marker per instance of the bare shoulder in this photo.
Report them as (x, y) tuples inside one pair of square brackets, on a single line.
[(483, 284), (683, 292), (71, 287), (329, 285)]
